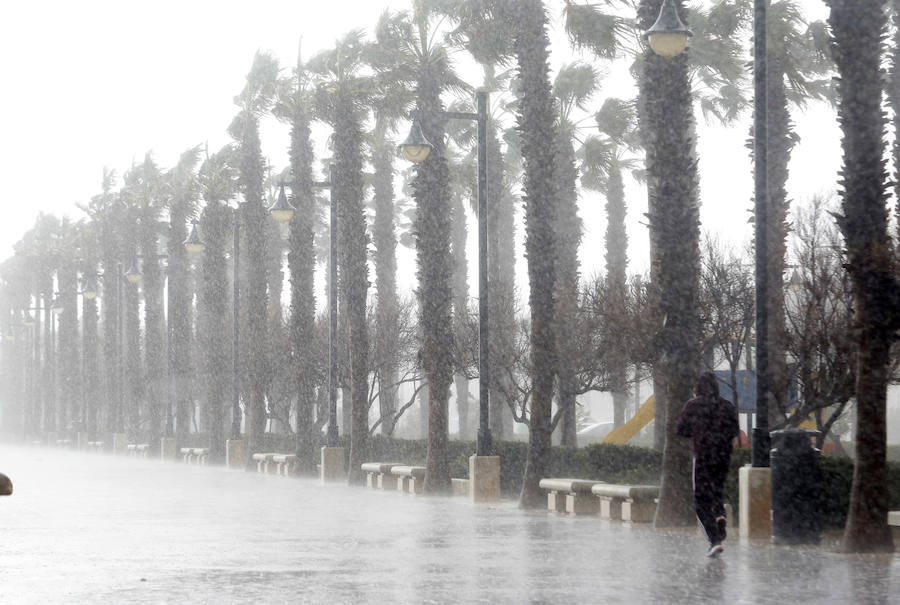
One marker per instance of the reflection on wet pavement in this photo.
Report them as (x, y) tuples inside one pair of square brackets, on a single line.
[(89, 528)]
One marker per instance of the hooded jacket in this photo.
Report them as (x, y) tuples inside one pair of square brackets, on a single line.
[(710, 421)]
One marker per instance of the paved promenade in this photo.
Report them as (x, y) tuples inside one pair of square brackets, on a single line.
[(92, 528)]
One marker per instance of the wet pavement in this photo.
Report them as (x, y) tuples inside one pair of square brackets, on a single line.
[(92, 528)]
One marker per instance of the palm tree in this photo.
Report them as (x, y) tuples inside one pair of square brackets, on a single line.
[(665, 112), (149, 199), (132, 383), (341, 100), (715, 68), (536, 122), (218, 183), (479, 31), (391, 102), (573, 87), (91, 392), (182, 200), (295, 106), (603, 161), (497, 30), (797, 70), (69, 368), (105, 212), (858, 29), (255, 99), (423, 62)]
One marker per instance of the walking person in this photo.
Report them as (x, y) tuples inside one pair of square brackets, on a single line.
[(712, 424)]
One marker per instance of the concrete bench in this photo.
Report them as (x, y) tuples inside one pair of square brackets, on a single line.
[(265, 462), (378, 474), (409, 478), (571, 496), (633, 503), (460, 486), (95, 446), (194, 455), (199, 455), (284, 464), (142, 450), (64, 442), (131, 449)]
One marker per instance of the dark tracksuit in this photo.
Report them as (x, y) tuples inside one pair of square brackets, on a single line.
[(712, 423)]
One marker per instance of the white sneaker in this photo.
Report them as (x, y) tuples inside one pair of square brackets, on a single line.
[(714, 550)]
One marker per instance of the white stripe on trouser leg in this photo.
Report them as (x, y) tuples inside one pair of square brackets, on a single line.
[(694, 488)]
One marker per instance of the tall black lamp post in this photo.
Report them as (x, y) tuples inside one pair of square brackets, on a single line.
[(761, 438), (416, 149)]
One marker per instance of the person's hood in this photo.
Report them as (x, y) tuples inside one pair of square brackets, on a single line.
[(707, 385)]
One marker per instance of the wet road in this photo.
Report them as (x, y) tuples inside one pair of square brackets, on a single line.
[(92, 528)]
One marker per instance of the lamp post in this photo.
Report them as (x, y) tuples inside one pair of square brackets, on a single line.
[(761, 185), (416, 149)]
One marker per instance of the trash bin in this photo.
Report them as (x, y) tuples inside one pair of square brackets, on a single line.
[(796, 485)]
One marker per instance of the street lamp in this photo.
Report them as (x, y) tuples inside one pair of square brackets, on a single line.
[(282, 210), (416, 149), (193, 244), (133, 275), (668, 37), (90, 288)]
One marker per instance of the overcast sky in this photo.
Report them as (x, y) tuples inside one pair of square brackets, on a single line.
[(99, 83)]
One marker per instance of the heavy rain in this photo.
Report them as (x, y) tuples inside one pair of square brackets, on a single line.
[(451, 301)]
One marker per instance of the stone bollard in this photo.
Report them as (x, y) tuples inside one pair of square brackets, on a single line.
[(167, 449), (120, 443), (755, 501), (333, 464), (484, 478), (235, 454)]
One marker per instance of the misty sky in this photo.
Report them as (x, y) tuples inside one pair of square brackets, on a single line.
[(100, 82)]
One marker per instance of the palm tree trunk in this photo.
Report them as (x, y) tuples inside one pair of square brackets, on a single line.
[(536, 121), (154, 337), (616, 264), (666, 116), (384, 234), (568, 239), (354, 278), (431, 189), (780, 142), (858, 28), (458, 238), (501, 284), (301, 264), (216, 224)]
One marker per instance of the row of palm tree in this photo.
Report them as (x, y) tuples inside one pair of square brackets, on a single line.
[(406, 69)]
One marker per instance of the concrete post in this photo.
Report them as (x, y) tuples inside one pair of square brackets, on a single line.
[(120, 443), (235, 454), (484, 478), (755, 496), (167, 448), (81, 440), (332, 468)]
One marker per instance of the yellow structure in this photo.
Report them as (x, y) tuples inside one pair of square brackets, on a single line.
[(623, 434)]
